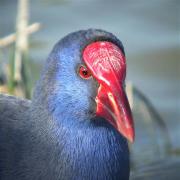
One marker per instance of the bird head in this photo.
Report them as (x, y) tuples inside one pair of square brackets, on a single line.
[(83, 80)]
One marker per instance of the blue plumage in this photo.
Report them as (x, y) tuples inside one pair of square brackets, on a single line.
[(59, 138)]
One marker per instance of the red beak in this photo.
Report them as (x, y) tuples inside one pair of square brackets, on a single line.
[(108, 66)]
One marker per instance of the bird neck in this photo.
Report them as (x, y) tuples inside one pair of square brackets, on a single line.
[(92, 149)]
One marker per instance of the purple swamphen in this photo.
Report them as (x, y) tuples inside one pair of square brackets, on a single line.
[(77, 125)]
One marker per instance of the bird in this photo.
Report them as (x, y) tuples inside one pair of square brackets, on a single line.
[(78, 122)]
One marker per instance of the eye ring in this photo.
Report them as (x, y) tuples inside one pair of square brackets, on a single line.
[(84, 72)]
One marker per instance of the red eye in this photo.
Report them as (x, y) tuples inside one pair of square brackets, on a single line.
[(84, 72)]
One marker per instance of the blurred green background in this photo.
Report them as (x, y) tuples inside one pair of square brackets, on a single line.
[(150, 32)]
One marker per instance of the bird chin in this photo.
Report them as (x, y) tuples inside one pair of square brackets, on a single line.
[(91, 114)]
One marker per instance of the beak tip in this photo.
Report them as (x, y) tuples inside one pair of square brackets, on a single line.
[(131, 137), (129, 133)]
